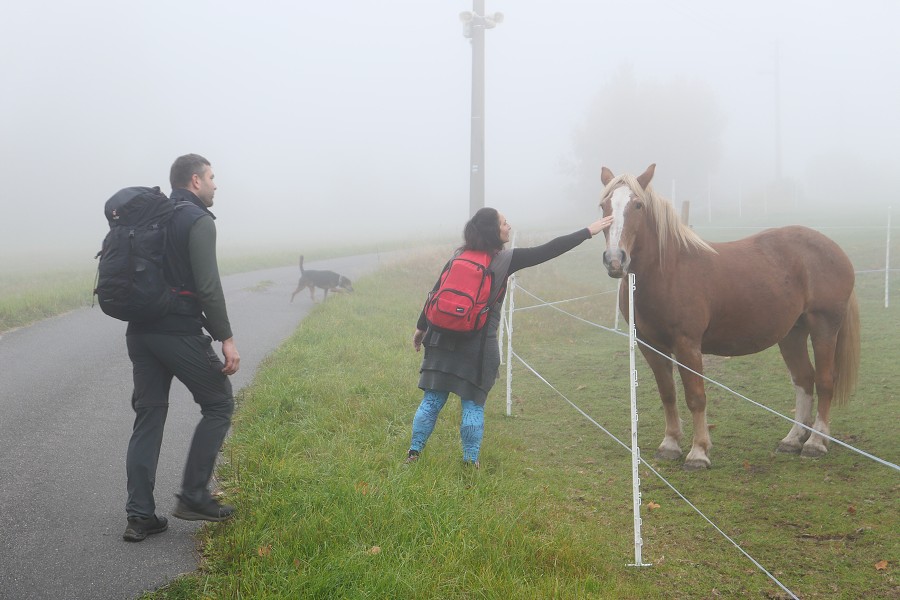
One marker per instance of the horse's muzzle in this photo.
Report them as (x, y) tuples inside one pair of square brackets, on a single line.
[(616, 263)]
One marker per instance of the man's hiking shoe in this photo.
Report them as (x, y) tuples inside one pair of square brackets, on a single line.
[(411, 457), (139, 528), (208, 511)]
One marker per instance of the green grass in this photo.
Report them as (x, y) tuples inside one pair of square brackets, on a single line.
[(30, 292), (27, 297), (328, 510)]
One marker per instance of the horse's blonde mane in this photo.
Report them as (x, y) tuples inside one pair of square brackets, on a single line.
[(669, 228)]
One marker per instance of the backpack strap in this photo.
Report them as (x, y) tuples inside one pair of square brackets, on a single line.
[(499, 268)]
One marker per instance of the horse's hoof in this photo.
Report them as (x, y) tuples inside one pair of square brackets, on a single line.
[(695, 465), (667, 454), (813, 451), (789, 448)]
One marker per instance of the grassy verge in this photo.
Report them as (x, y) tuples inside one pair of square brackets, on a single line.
[(31, 293), (26, 298), (328, 510)]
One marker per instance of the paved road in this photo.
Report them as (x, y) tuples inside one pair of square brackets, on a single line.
[(65, 420)]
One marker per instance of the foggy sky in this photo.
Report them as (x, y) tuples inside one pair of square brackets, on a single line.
[(349, 119)]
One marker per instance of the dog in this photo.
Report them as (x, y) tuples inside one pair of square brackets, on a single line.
[(327, 280)]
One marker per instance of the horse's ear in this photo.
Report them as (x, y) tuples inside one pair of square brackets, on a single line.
[(606, 176), (646, 176)]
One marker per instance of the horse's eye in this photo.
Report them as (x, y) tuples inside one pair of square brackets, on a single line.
[(638, 205)]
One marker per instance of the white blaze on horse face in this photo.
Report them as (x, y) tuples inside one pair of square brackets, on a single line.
[(621, 196)]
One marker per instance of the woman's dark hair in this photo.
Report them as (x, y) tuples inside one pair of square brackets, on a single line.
[(482, 231)]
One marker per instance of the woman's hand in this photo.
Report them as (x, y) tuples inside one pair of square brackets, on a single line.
[(598, 226), (417, 339)]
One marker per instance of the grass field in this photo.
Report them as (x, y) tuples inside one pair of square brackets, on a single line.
[(30, 291), (328, 510)]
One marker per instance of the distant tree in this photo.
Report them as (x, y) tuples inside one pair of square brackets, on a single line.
[(677, 125)]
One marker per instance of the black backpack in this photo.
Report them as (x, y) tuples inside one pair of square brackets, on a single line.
[(131, 285)]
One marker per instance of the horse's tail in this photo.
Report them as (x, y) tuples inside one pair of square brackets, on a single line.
[(846, 357), (301, 264)]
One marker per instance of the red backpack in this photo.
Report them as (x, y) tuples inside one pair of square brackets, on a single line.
[(462, 301)]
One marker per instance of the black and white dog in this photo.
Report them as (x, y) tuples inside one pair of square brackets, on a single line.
[(327, 280)]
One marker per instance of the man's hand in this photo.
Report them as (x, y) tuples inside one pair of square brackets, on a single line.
[(417, 339), (232, 358)]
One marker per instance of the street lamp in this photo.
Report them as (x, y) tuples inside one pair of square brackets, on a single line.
[(474, 23), (489, 21)]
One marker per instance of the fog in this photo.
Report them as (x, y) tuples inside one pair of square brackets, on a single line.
[(348, 120)]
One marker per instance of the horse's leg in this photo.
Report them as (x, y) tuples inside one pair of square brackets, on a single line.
[(796, 357), (670, 448), (695, 396), (824, 343)]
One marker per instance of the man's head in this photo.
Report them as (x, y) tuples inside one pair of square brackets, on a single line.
[(192, 172)]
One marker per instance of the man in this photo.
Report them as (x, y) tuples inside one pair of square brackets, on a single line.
[(175, 345)]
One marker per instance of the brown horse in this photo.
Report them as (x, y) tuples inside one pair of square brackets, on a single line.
[(781, 286)]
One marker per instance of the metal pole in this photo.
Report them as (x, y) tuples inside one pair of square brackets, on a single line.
[(476, 175), (887, 260), (635, 449)]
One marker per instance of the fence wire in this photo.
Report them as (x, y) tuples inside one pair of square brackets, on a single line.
[(555, 306), (659, 476)]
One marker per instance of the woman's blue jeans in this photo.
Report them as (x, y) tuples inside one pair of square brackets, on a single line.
[(471, 427)]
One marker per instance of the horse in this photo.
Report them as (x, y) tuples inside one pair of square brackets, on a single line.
[(781, 286)]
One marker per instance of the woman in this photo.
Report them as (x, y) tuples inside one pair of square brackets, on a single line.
[(467, 365)]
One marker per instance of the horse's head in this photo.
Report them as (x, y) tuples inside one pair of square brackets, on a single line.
[(625, 202)]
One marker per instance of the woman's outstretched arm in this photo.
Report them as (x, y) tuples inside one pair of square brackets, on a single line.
[(528, 257)]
